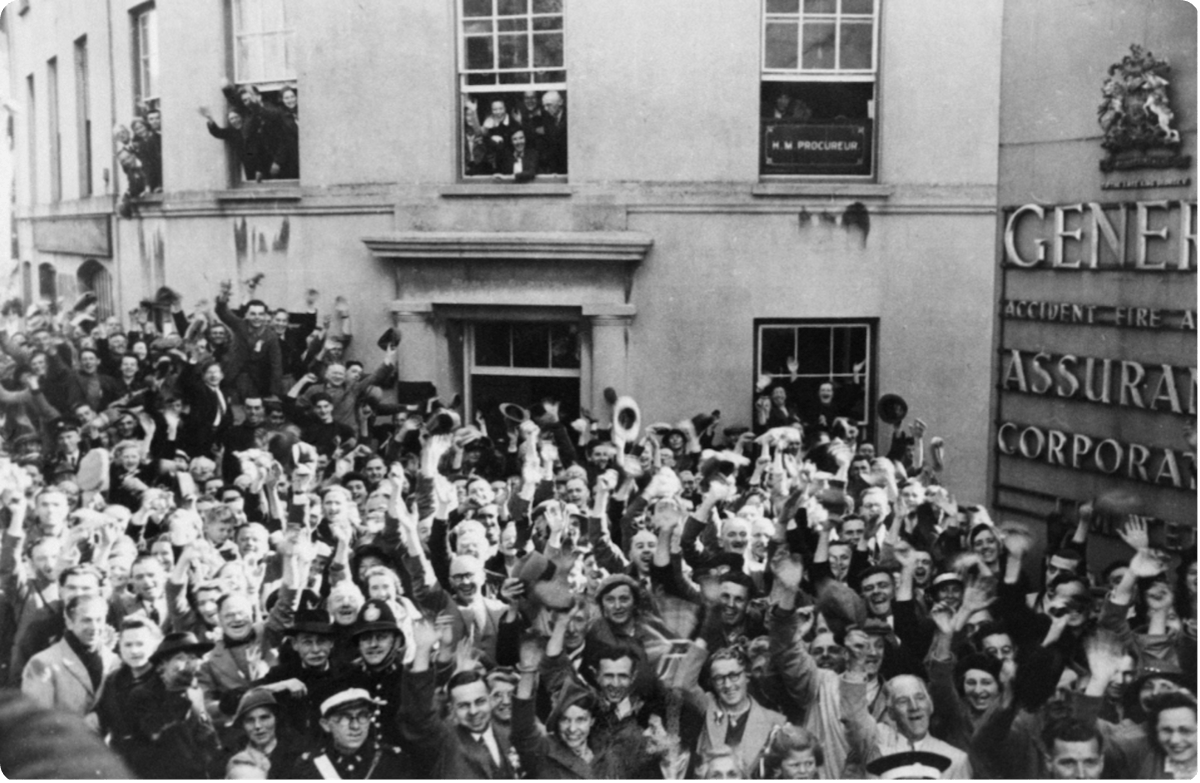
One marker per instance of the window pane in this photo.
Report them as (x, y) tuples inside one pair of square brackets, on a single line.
[(550, 77), (514, 51), (531, 345), (246, 59), (272, 15), (813, 350), (248, 15), (477, 7), (856, 45), (820, 6), (514, 25), (272, 56), (778, 343), (564, 346), (547, 6), (782, 45), (491, 345), (511, 7), (481, 78), (509, 77), (479, 54), (548, 50), (547, 23), (783, 6), (476, 26), (818, 46), (858, 6), (849, 348)]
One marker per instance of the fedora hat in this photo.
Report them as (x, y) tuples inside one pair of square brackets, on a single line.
[(627, 419), (175, 643), (315, 621), (513, 412), (891, 408)]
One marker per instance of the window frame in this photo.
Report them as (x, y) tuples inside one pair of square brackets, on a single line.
[(83, 116), (869, 372), (271, 82), (144, 51), (834, 75), (516, 90), (471, 369)]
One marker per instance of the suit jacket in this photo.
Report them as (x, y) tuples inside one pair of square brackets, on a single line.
[(529, 163), (56, 679), (759, 723), (202, 426), (451, 750)]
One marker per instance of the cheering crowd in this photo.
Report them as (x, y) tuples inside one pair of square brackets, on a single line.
[(231, 551)]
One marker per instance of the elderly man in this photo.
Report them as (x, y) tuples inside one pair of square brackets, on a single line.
[(910, 709), (554, 139), (68, 675)]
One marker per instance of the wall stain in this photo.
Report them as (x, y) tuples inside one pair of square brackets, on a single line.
[(856, 218), (280, 245)]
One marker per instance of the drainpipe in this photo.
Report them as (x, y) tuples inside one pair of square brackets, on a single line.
[(114, 233)]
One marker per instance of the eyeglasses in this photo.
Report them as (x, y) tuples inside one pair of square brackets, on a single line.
[(461, 577), (732, 677), (346, 718)]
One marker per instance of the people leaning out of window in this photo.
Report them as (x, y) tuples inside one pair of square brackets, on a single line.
[(263, 130), (516, 141)]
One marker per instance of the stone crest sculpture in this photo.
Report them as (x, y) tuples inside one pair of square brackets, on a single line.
[(1135, 115)]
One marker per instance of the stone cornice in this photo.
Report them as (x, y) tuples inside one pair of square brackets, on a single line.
[(614, 246)]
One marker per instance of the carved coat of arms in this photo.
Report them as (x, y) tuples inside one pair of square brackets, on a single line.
[(1135, 115)]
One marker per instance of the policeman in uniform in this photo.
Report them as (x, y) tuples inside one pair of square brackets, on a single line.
[(379, 667), (352, 750)]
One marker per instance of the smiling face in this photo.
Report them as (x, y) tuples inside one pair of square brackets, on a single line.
[(980, 689), (642, 550), (375, 646), (87, 622), (827, 653), (236, 617), (472, 706), (730, 682), (733, 599), (878, 590), (617, 605), (574, 727), (735, 535), (1176, 733), (839, 560), (501, 693), (868, 647), (987, 546), (910, 706), (146, 576), (615, 678)]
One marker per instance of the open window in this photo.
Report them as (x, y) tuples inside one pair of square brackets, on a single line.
[(262, 124), (513, 89), (521, 362), (802, 356), (818, 91)]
